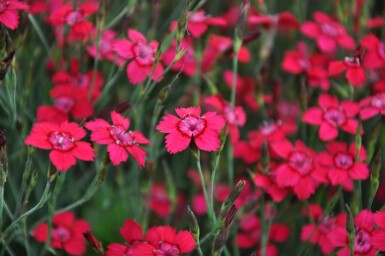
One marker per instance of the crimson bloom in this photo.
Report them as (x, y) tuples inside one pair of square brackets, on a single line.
[(341, 163), (372, 106), (375, 52), (164, 240), (9, 16), (191, 126), (355, 72), (67, 233), (328, 33), (321, 232), (332, 115), (118, 139), (379, 234), (141, 54), (63, 140)]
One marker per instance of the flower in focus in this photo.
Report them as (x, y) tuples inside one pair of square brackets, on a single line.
[(63, 141), (67, 233), (119, 141), (331, 115), (142, 56), (9, 16), (190, 126)]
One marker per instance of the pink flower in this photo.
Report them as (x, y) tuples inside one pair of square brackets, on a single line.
[(379, 234), (8, 12), (164, 240), (67, 233), (284, 21), (332, 115), (235, 116), (63, 140), (118, 139), (80, 28), (321, 232), (298, 169), (375, 54), (268, 182), (373, 105), (142, 56), (341, 163), (355, 72), (190, 126), (328, 33), (159, 200)]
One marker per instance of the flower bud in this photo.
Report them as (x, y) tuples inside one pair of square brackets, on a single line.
[(94, 242), (193, 223)]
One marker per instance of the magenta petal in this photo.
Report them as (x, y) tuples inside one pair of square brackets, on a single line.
[(117, 153), (138, 153), (327, 132), (208, 140), (337, 176), (312, 116), (83, 151), (62, 160), (177, 142), (136, 73), (285, 176), (359, 171)]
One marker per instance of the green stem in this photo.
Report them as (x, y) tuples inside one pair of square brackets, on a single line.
[(39, 33)]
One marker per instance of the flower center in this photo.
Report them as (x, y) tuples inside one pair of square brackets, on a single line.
[(80, 80), (381, 51), (334, 117), (327, 225), (192, 126), (231, 116), (363, 242), (121, 137), (378, 101), (144, 53), (329, 29), (304, 63), (352, 61), (64, 104), (74, 17), (61, 233), (268, 128), (166, 249), (197, 17), (301, 163), (343, 161), (61, 141), (3, 6)]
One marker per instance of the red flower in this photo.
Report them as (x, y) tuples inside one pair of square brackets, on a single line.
[(299, 170), (373, 105), (141, 54), (355, 72), (328, 33), (332, 115), (235, 116), (341, 163), (375, 54), (198, 22), (159, 200), (132, 233), (284, 21), (190, 125), (67, 233), (379, 234), (63, 140), (164, 240), (363, 243), (118, 139), (269, 183), (321, 232), (80, 28), (8, 12)]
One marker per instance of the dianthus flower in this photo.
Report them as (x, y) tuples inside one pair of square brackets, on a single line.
[(379, 234), (67, 233), (328, 33), (375, 52), (190, 126), (372, 106), (63, 140), (118, 139), (187, 64), (341, 163), (331, 115), (141, 54), (355, 72), (164, 240), (8, 12)]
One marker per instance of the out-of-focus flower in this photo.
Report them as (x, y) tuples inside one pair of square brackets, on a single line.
[(355, 73), (375, 52), (371, 106), (9, 15)]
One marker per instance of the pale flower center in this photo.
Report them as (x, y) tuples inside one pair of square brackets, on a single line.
[(144, 54), (3, 6), (327, 225), (61, 141), (121, 137), (74, 17), (363, 241), (268, 128), (378, 101), (335, 117), (166, 249), (192, 126), (64, 103), (330, 29), (231, 116), (352, 61), (301, 163), (61, 233), (343, 161)]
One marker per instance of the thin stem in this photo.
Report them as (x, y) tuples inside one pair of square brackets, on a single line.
[(39, 33)]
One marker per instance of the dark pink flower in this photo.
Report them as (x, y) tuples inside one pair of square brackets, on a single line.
[(331, 115), (283, 21), (235, 116), (379, 234), (375, 52), (371, 106), (159, 200), (355, 73), (268, 182), (142, 56), (341, 163), (119, 141), (328, 33), (67, 233), (190, 126), (9, 16), (63, 140), (164, 240)]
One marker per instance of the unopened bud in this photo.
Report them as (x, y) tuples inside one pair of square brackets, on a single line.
[(181, 29), (223, 231), (242, 19), (265, 157), (3, 153), (230, 200), (350, 228), (193, 223), (358, 141), (375, 177), (94, 242)]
